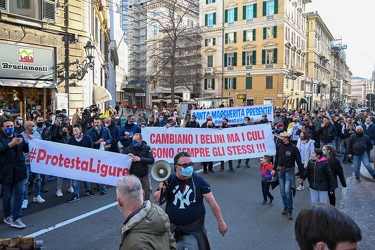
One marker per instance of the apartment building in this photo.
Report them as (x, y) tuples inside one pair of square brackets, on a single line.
[(254, 52)]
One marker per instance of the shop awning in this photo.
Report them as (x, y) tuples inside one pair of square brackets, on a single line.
[(303, 100), (28, 83), (101, 94)]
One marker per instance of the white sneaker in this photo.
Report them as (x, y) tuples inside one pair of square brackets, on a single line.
[(24, 204), (59, 193), (39, 199), (18, 223), (8, 220), (71, 189), (300, 188)]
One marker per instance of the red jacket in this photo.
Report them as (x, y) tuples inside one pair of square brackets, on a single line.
[(266, 170)]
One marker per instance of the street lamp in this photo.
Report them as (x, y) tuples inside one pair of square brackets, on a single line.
[(290, 75), (87, 63)]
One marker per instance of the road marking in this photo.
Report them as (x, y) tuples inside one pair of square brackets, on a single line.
[(64, 223)]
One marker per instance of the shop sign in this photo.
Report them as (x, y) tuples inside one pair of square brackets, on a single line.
[(25, 62)]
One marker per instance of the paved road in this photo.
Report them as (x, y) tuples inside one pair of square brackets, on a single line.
[(95, 222)]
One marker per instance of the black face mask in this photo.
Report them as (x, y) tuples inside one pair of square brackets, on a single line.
[(39, 124), (64, 133), (359, 133)]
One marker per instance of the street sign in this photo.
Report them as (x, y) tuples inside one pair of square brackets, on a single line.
[(370, 97)]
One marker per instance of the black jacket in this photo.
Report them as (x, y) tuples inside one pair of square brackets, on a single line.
[(337, 171), (320, 175), (12, 160), (140, 168), (287, 155), (327, 133), (358, 145)]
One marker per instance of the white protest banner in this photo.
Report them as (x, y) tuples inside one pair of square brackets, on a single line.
[(235, 115), (210, 144), (77, 163)]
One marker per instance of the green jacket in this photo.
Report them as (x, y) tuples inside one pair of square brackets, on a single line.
[(148, 229)]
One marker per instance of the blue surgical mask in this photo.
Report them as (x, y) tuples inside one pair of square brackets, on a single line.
[(368, 123), (313, 158), (135, 144), (244, 121), (34, 129), (9, 131), (188, 171), (324, 153)]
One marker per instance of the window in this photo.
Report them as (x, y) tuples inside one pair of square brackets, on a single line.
[(155, 29), (269, 82), (269, 56), (249, 35), (209, 83), (249, 82), (270, 7), (210, 61), (230, 83), (231, 15), (210, 42), (248, 58), (210, 19), (270, 32), (38, 9), (249, 11), (230, 38), (210, 1), (230, 59)]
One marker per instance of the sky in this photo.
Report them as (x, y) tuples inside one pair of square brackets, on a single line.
[(354, 22)]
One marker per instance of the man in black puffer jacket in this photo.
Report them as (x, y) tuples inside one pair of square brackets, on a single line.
[(327, 133), (358, 144), (142, 157)]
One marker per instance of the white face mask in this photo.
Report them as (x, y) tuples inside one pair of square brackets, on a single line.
[(106, 124)]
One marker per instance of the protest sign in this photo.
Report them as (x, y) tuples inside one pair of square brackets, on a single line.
[(235, 115), (77, 163), (210, 144)]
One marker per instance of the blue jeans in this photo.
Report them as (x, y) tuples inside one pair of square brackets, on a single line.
[(337, 144), (357, 159), (59, 182), (76, 185), (285, 183), (13, 190)]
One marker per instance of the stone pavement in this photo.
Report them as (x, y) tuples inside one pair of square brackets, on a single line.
[(358, 201)]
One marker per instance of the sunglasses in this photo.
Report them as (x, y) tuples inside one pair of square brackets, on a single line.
[(185, 165)]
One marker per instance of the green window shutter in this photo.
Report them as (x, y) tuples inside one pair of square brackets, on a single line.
[(236, 14), (249, 82), (274, 31), (264, 33), (214, 41), (264, 8), (235, 59), (274, 55), (205, 19), (225, 59), (226, 16), (255, 10), (276, 4), (244, 12), (226, 38), (318, 89), (254, 62), (263, 56), (254, 34), (213, 83), (235, 37), (205, 83), (226, 83), (234, 83), (243, 58), (2, 5), (205, 42), (214, 18), (49, 10), (244, 35)]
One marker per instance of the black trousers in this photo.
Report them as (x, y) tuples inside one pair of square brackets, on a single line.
[(266, 190), (210, 165)]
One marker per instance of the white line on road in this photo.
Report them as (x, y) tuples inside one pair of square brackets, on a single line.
[(64, 223)]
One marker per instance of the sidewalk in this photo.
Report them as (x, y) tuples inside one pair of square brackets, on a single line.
[(358, 201)]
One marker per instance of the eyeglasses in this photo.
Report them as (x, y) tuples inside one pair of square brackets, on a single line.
[(185, 165)]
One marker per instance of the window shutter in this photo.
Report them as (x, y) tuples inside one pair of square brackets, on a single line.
[(226, 38), (244, 35), (276, 6), (48, 10), (274, 55), (264, 33), (234, 83), (205, 83), (205, 42), (274, 31), (206, 1), (2, 5), (249, 82), (235, 37), (225, 59), (236, 14), (263, 56), (254, 10), (205, 19), (226, 83), (214, 18), (226, 16), (254, 62), (213, 83), (214, 41), (243, 58), (264, 8), (244, 12), (254, 34), (235, 59)]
